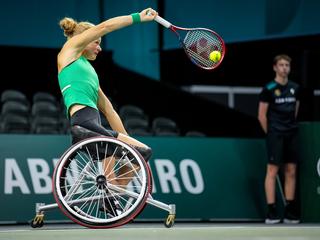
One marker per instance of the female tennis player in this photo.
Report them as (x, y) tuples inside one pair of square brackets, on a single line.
[(79, 82)]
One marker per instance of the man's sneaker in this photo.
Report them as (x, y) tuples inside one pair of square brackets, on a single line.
[(290, 215), (111, 206), (272, 217), (291, 220)]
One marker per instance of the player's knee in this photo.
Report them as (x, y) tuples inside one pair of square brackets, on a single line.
[(146, 153), (290, 173)]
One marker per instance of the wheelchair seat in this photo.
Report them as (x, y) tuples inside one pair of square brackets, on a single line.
[(79, 133)]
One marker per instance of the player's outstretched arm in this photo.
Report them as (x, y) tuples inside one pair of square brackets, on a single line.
[(79, 42)]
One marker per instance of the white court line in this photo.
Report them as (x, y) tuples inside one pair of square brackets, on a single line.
[(188, 226)]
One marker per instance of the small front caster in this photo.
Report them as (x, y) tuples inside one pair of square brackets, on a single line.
[(170, 220), (37, 222)]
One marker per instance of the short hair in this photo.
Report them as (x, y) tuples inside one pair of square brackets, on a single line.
[(71, 27), (281, 57)]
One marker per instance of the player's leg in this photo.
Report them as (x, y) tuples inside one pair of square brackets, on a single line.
[(274, 148), (290, 181), (270, 183), (86, 123), (143, 149), (108, 165), (128, 171), (89, 118), (290, 175)]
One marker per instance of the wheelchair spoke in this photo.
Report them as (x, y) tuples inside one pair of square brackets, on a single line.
[(83, 183), (126, 173), (76, 172), (77, 183), (87, 163), (131, 186), (110, 157), (105, 151), (101, 182), (89, 199), (85, 193), (91, 160)]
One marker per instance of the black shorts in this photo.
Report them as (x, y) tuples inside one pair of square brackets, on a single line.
[(89, 118), (283, 148)]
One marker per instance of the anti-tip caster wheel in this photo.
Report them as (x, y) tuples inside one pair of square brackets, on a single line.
[(37, 222), (170, 220)]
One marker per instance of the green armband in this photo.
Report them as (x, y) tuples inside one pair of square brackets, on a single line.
[(135, 18)]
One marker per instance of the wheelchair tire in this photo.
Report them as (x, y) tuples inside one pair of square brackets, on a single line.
[(87, 178)]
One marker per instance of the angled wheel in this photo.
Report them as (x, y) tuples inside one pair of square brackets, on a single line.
[(101, 182), (169, 222), (37, 221)]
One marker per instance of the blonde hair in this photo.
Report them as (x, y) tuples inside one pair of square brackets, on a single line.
[(71, 27)]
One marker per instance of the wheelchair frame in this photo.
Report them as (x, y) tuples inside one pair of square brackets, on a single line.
[(83, 182)]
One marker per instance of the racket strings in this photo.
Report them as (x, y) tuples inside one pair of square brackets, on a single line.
[(199, 44)]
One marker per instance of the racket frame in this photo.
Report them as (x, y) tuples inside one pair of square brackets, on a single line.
[(174, 29)]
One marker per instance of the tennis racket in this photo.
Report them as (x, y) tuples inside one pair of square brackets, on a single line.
[(198, 43)]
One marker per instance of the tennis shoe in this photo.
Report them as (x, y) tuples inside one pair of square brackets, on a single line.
[(272, 216), (290, 215)]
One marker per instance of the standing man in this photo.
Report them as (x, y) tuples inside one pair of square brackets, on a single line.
[(278, 109)]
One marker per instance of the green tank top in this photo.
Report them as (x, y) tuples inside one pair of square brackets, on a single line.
[(79, 84)]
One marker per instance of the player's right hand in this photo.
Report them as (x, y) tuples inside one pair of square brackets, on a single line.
[(148, 14)]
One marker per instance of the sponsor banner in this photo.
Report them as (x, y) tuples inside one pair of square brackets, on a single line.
[(310, 172), (207, 178)]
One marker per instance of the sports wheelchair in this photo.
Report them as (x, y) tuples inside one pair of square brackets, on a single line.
[(102, 182)]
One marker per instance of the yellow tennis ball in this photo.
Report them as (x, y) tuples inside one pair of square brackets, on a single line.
[(215, 56)]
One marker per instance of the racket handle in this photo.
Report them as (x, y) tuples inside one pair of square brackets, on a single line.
[(162, 21)]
